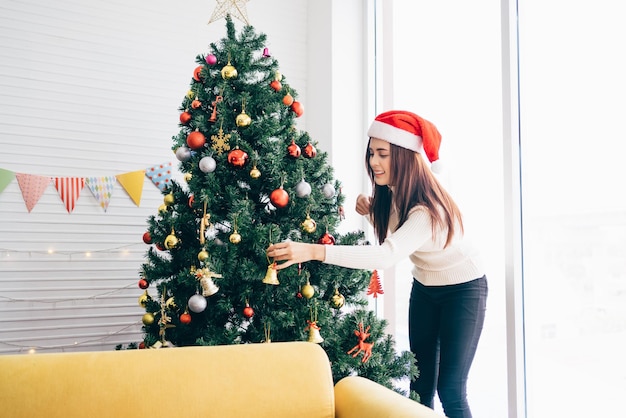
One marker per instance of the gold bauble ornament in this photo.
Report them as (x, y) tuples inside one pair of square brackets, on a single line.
[(337, 300), (235, 237), (163, 209), (307, 290), (242, 120), (308, 225), (229, 72), (143, 299), (255, 173), (187, 177), (168, 199), (171, 241), (203, 255), (147, 319)]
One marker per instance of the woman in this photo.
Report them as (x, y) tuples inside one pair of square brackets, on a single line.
[(414, 216)]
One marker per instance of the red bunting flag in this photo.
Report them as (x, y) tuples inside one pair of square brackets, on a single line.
[(69, 189)]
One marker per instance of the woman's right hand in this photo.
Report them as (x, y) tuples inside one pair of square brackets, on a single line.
[(363, 204)]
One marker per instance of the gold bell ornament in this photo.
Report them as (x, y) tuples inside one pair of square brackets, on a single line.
[(314, 332), (209, 288), (271, 276)]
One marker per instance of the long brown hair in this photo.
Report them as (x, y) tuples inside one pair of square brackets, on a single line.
[(413, 184)]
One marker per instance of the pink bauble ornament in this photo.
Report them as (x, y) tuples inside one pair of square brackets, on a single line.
[(211, 59)]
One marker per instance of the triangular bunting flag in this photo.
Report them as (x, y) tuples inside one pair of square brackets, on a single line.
[(69, 189), (160, 174), (32, 187), (133, 184), (102, 189), (6, 177)]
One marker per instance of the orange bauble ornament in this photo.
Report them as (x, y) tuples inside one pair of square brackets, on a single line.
[(309, 151), (279, 197), (238, 157), (293, 149), (196, 73), (196, 140), (276, 85), (288, 99), (297, 108), (185, 318), (248, 312), (185, 117)]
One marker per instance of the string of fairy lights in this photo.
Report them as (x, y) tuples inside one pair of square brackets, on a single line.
[(10, 254)]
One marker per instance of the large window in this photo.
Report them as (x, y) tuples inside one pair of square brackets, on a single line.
[(572, 107), (447, 66)]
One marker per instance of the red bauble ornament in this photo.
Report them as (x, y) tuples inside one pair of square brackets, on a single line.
[(196, 103), (196, 140), (191, 201), (248, 312), (143, 284), (310, 151), (238, 157), (142, 345), (288, 99), (326, 239), (297, 108), (185, 318), (299, 295), (293, 149), (159, 246), (276, 85), (147, 238), (196, 73), (185, 117), (279, 197)]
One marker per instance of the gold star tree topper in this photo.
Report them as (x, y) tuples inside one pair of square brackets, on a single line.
[(236, 8)]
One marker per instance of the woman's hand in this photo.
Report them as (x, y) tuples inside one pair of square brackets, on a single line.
[(295, 252), (363, 204)]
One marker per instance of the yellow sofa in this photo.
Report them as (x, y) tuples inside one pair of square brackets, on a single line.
[(281, 379)]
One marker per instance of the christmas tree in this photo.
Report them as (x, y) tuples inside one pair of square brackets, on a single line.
[(252, 178)]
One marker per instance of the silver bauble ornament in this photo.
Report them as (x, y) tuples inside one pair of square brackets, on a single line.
[(197, 303), (183, 153), (207, 164), (303, 189), (328, 190)]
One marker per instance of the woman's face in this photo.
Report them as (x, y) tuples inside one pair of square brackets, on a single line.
[(379, 160)]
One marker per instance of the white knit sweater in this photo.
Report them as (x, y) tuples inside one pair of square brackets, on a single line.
[(433, 265)]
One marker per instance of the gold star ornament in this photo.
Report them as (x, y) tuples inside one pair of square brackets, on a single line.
[(236, 8)]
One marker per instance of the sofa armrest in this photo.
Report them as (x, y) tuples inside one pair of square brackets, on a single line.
[(358, 397)]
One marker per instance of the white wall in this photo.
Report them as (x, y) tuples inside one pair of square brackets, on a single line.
[(93, 89)]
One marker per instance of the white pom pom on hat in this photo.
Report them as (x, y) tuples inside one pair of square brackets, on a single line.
[(408, 130)]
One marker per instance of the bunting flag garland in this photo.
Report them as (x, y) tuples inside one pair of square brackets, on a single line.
[(6, 177), (102, 189), (69, 189), (160, 174), (32, 187), (133, 184)]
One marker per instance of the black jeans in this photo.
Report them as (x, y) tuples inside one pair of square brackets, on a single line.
[(445, 323)]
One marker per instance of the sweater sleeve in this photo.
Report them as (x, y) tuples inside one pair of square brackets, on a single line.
[(397, 246)]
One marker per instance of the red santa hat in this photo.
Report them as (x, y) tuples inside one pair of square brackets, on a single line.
[(410, 131)]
